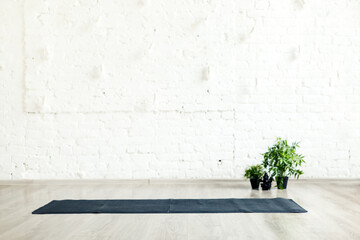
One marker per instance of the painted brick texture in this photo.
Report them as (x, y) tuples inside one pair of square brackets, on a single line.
[(166, 89)]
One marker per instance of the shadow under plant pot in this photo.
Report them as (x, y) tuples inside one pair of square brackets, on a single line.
[(255, 182), (281, 182)]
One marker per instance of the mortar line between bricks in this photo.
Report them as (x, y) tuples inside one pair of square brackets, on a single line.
[(23, 56), (130, 112), (234, 141)]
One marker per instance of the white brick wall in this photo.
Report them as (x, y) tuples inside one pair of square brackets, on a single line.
[(166, 89)]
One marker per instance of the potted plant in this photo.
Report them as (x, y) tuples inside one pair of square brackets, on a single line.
[(254, 173), (282, 161), (266, 182)]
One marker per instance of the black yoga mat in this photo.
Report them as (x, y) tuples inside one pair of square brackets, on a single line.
[(228, 205)]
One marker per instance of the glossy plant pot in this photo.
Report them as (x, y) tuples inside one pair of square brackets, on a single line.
[(266, 185), (255, 182), (284, 182)]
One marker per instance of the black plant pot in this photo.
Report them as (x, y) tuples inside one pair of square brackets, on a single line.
[(266, 182), (255, 182), (266, 186), (284, 182)]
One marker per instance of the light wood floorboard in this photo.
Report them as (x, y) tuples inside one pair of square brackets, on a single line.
[(333, 211)]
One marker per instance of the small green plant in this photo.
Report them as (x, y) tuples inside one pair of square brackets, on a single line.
[(255, 172), (281, 160)]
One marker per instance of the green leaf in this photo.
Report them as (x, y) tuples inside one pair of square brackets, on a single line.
[(281, 159)]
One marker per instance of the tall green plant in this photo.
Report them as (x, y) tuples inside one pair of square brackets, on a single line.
[(281, 160)]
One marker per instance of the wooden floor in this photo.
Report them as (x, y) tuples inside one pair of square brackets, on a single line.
[(333, 211)]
